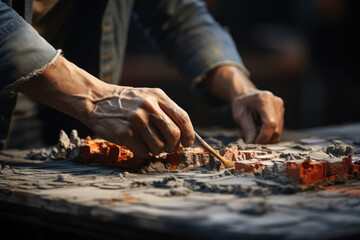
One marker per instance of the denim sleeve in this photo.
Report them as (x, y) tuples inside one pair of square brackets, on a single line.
[(188, 36), (23, 52)]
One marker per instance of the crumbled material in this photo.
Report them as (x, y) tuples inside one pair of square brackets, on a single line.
[(339, 149), (298, 165)]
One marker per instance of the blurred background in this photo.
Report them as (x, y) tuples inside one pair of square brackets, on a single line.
[(305, 51)]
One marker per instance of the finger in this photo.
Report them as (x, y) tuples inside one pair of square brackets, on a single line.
[(268, 118), (279, 105), (266, 132), (152, 139), (180, 118), (131, 137), (247, 124), (275, 137), (137, 145), (281, 111), (170, 132), (157, 129)]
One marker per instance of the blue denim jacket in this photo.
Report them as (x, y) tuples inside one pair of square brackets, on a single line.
[(183, 30)]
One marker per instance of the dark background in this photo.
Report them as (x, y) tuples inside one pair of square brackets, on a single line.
[(305, 51)]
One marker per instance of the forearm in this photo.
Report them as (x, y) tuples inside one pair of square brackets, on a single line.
[(23, 52), (67, 88)]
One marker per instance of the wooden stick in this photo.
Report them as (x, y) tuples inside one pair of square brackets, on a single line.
[(227, 163)]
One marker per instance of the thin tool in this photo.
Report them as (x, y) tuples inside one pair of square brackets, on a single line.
[(227, 163)]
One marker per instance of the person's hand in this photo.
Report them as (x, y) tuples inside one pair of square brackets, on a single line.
[(260, 115), (145, 120)]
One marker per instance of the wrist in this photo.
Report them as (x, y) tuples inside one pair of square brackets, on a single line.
[(67, 88), (229, 82)]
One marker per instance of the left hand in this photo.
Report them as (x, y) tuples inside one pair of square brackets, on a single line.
[(260, 114)]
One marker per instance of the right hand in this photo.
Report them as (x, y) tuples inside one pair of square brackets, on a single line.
[(145, 120)]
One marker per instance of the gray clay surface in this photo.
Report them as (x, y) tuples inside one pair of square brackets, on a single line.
[(202, 202)]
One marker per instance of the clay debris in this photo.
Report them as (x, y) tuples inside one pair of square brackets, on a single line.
[(65, 149), (295, 164), (308, 169), (113, 155), (338, 149), (313, 173)]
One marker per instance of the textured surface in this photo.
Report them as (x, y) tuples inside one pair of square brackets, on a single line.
[(196, 203)]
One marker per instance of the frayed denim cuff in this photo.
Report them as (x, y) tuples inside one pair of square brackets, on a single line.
[(35, 72)]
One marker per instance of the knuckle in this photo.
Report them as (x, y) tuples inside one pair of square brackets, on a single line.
[(158, 91), (271, 124), (138, 117), (146, 102), (183, 117), (280, 101), (265, 95), (268, 93), (175, 134), (136, 114)]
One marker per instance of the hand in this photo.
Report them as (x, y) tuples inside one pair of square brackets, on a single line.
[(260, 115), (142, 119)]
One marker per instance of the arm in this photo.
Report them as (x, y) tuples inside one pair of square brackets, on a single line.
[(145, 120), (260, 114), (202, 51), (188, 37), (23, 53)]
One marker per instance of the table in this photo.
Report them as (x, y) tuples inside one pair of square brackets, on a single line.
[(55, 199)]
